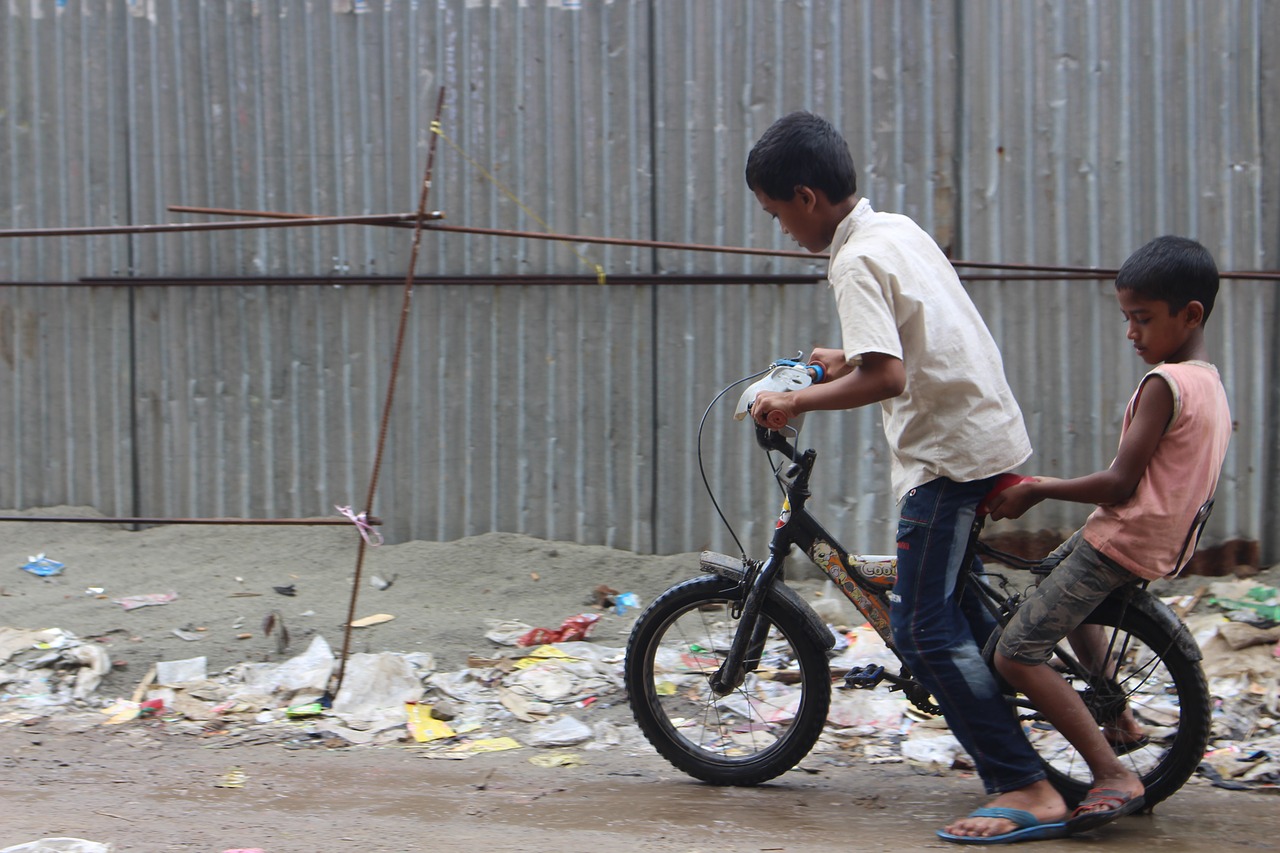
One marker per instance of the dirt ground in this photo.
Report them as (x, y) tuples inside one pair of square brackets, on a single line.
[(142, 790), (168, 784)]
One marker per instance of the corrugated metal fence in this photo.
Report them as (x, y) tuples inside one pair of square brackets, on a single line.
[(1051, 133)]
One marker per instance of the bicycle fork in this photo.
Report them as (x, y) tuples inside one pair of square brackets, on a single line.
[(747, 646)]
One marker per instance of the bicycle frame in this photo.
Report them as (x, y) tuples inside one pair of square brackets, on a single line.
[(865, 581), (797, 527)]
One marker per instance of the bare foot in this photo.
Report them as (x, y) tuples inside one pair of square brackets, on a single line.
[(1123, 730), (1040, 799)]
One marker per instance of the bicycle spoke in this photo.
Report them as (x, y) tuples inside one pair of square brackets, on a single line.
[(747, 720)]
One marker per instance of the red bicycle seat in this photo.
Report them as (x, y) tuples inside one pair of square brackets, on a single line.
[(1003, 482)]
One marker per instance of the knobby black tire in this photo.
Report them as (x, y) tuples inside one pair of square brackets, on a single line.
[(747, 737), (1167, 691)]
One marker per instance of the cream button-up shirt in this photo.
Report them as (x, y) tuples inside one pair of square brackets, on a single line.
[(896, 293)]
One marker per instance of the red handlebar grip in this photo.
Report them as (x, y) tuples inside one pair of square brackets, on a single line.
[(775, 420)]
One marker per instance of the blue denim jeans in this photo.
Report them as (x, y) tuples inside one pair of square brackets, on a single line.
[(940, 632)]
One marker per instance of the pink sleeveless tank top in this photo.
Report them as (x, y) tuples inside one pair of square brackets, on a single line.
[(1145, 534)]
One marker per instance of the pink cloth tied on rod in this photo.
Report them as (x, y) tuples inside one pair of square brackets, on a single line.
[(367, 532)]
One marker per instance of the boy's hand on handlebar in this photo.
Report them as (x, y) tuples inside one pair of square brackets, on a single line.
[(773, 409), (1015, 500), (832, 360)]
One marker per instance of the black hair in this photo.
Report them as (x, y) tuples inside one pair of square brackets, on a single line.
[(1175, 270), (801, 149)]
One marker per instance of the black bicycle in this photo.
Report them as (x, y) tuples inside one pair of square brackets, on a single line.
[(728, 673)]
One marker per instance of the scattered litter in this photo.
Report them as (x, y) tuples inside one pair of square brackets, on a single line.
[(556, 690), (602, 596), (94, 663), (492, 744), (233, 778), (297, 681), (375, 619), (14, 640), (59, 845), (122, 711), (1242, 635), (523, 709), (273, 621), (541, 653), (564, 759), (506, 632), (607, 598), (170, 672), (43, 566), (373, 682), (423, 727), (291, 589), (132, 602), (573, 628), (565, 731), (1258, 602), (380, 583), (931, 749)]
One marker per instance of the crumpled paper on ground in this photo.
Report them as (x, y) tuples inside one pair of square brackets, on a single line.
[(297, 681), (374, 682), (59, 845)]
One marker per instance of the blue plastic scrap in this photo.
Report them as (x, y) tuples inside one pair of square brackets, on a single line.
[(43, 566)]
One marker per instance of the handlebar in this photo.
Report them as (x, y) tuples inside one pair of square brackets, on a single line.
[(782, 375), (775, 420)]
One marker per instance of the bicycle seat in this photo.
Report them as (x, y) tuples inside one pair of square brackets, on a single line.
[(1003, 482)]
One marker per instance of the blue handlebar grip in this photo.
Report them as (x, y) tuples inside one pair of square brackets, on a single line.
[(819, 369)]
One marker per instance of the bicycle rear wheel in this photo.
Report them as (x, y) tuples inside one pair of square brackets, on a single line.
[(755, 733), (1160, 683)]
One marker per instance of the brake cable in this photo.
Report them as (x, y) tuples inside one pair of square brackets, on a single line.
[(702, 469)]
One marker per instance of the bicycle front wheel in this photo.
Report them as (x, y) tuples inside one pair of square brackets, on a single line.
[(1159, 683), (761, 729)]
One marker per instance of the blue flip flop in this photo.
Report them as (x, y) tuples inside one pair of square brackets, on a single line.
[(1029, 828)]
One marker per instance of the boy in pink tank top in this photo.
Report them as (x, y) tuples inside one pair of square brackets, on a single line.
[(1172, 445)]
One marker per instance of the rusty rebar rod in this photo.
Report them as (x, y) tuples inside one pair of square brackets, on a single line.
[(241, 225), (406, 303), (280, 219), (501, 279), (98, 519), (1054, 270), (532, 235)]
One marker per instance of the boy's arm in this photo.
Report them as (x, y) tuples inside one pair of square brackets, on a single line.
[(878, 377), (832, 361), (1152, 413)]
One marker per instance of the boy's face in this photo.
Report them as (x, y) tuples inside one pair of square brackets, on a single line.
[(799, 218), (1159, 334)]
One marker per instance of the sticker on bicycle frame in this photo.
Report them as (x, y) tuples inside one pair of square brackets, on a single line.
[(827, 558), (881, 571), (786, 514)]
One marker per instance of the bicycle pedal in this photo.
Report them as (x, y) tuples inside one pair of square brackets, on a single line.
[(864, 677)]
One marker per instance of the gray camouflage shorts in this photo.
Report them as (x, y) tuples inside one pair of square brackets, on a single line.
[(1061, 601)]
